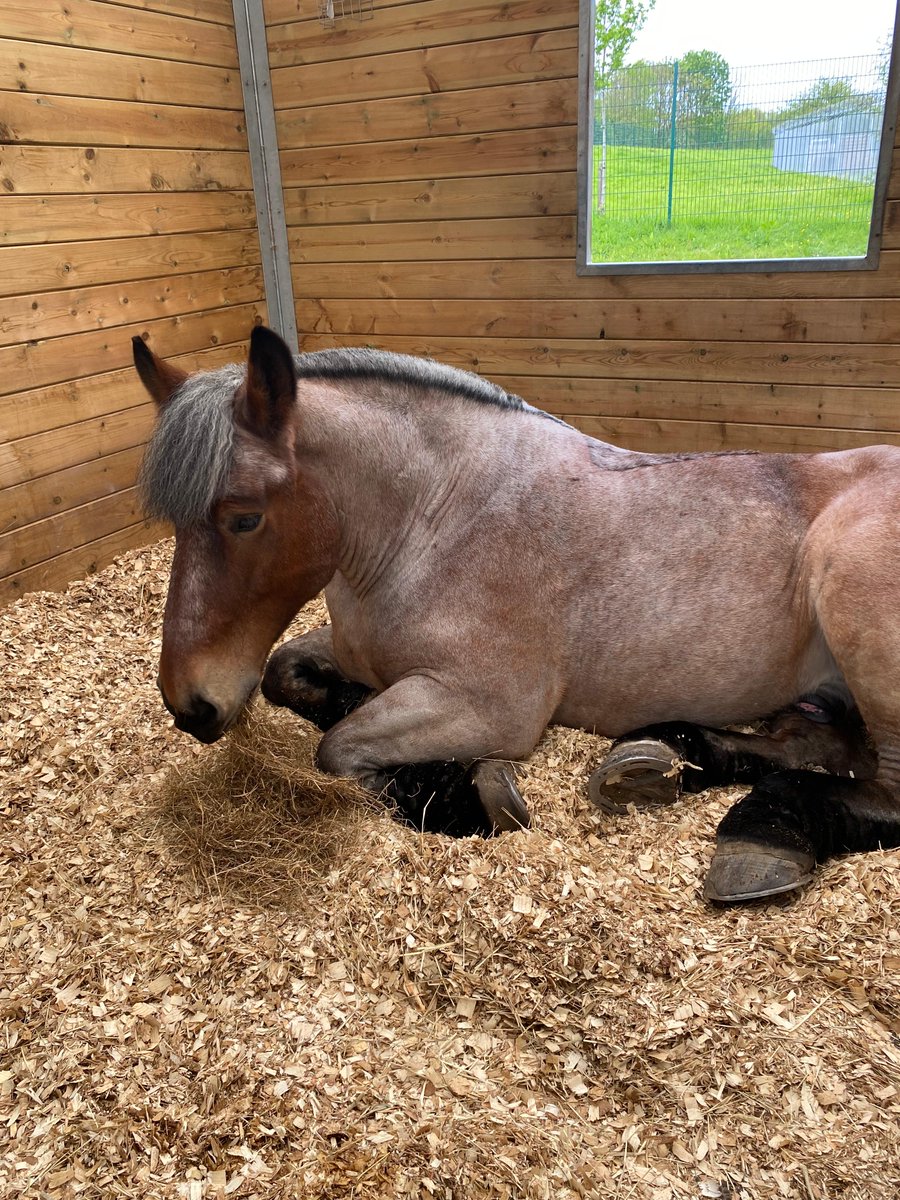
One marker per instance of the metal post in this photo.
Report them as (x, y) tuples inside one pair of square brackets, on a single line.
[(672, 140), (253, 55)]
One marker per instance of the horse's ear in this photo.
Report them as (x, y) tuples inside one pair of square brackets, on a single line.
[(271, 383), (160, 378)]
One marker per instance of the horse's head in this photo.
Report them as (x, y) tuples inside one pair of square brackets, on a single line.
[(254, 539)]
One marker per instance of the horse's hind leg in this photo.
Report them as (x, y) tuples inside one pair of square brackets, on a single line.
[(655, 764), (770, 841)]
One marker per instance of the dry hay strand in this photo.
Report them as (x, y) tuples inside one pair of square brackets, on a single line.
[(221, 975), (255, 818)]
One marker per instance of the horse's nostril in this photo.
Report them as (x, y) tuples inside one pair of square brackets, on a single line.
[(200, 719), (202, 714)]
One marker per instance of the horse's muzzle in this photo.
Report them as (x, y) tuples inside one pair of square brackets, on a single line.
[(201, 720)]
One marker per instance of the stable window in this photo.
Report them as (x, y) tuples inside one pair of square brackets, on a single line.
[(718, 137)]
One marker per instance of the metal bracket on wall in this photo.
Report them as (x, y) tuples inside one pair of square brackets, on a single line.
[(253, 55)]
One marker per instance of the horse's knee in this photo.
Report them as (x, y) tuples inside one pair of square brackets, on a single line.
[(301, 675), (338, 753)]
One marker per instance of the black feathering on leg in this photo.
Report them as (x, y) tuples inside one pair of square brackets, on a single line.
[(343, 698), (312, 691), (438, 797), (810, 811), (709, 760)]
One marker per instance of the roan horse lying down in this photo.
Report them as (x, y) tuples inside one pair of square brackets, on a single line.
[(489, 569)]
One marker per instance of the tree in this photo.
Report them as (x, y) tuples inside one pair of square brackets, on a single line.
[(883, 68), (617, 24), (704, 96), (749, 128), (828, 95), (640, 103)]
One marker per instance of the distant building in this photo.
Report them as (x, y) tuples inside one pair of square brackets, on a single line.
[(839, 141)]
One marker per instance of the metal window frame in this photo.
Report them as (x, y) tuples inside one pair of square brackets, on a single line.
[(584, 266), (268, 196)]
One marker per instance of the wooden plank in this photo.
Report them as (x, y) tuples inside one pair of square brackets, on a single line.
[(218, 11), (500, 279), (893, 190), (51, 315), (532, 237), (519, 151), (691, 436), (697, 400), (86, 264), (96, 25), (69, 71), (526, 58), (551, 192), (35, 421), (416, 26), (48, 495), (59, 449), (74, 120), (891, 218), (24, 548), (280, 12), (771, 321), (890, 238), (55, 574), (475, 110), (56, 360), (741, 362), (285, 12), (39, 220), (377, 241), (50, 170), (498, 196)]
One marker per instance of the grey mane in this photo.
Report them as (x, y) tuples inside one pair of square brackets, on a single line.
[(386, 366), (189, 457), (190, 454)]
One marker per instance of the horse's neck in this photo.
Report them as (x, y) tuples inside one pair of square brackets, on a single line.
[(393, 474)]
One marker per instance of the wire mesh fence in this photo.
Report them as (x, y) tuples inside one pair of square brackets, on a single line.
[(700, 146)]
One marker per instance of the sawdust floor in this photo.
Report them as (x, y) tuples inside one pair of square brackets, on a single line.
[(221, 975)]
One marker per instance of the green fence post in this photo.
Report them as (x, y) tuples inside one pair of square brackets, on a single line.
[(672, 139)]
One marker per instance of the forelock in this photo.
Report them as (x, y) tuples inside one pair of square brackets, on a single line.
[(190, 455)]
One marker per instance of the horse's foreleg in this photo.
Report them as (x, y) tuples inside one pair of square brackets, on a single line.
[(770, 840), (434, 755), (302, 675)]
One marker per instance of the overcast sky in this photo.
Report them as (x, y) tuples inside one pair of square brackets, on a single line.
[(764, 31)]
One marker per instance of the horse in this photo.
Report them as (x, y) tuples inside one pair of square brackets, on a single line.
[(489, 569)]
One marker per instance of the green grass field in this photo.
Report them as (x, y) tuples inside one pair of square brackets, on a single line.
[(726, 204)]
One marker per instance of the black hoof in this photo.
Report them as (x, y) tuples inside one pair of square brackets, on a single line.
[(504, 808), (645, 772), (745, 870)]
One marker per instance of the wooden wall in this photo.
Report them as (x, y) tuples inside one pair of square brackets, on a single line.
[(429, 164), (125, 208)]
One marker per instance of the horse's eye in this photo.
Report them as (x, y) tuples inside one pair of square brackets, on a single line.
[(246, 524)]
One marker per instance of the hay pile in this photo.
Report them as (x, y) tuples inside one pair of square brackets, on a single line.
[(223, 975)]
